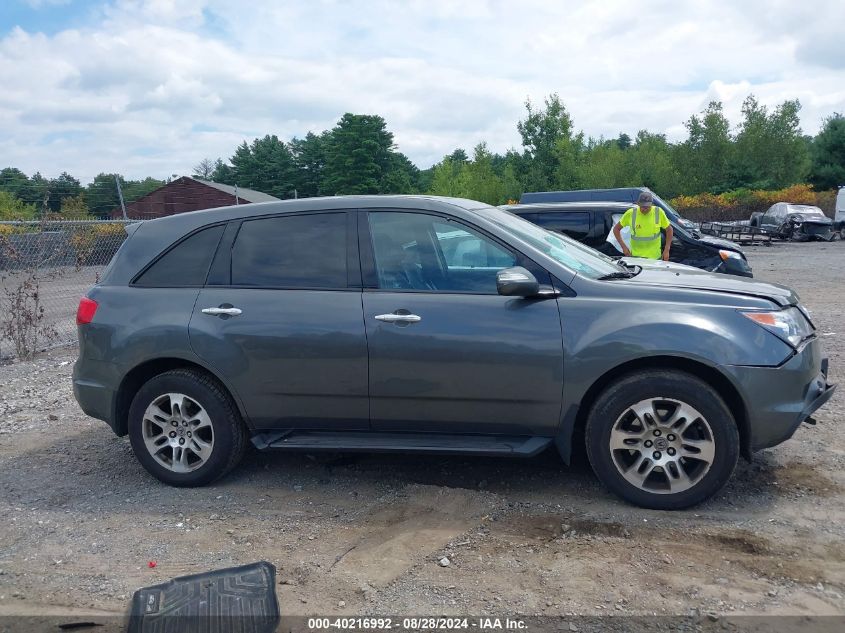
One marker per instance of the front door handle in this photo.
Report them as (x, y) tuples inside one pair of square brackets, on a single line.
[(398, 318), (219, 311)]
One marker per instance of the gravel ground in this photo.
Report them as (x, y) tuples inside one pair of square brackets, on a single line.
[(375, 534)]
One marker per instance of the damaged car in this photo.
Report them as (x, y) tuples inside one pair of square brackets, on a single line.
[(795, 222), (429, 325)]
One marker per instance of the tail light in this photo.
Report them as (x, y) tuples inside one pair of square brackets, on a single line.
[(86, 311)]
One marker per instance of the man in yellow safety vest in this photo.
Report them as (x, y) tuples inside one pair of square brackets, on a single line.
[(645, 221)]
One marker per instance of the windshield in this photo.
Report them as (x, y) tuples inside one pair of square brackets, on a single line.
[(805, 210), (673, 216), (574, 255)]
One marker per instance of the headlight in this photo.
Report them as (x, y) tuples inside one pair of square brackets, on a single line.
[(790, 324), (726, 255)]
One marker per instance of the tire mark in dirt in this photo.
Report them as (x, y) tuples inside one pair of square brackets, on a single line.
[(400, 534)]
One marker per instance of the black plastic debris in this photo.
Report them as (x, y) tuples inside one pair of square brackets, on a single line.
[(236, 599)]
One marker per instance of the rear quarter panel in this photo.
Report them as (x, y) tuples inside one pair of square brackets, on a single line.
[(133, 325)]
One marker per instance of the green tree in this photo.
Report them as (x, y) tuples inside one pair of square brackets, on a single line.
[(74, 207), (606, 165), (770, 150), (135, 189), (267, 165), (309, 156), (649, 163), (402, 176), (828, 154), (18, 184), (101, 194), (459, 156), (446, 178), (478, 180), (357, 155), (706, 154), (13, 208), (425, 178), (223, 173), (511, 170), (546, 138), (569, 156), (65, 186)]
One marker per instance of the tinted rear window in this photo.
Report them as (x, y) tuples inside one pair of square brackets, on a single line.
[(186, 264), (575, 224), (296, 251)]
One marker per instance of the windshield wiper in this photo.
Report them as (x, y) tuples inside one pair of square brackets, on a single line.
[(621, 274), (635, 269)]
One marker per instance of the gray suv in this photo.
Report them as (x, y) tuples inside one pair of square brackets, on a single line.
[(435, 325)]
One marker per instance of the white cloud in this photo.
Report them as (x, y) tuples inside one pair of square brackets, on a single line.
[(152, 86)]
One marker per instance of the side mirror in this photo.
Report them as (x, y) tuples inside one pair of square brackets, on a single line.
[(517, 282)]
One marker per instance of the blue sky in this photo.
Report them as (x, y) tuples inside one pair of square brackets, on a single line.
[(150, 87), (45, 16)]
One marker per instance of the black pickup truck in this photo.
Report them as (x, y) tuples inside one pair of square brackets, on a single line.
[(590, 223)]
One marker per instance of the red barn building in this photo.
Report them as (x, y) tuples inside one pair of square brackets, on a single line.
[(189, 194)]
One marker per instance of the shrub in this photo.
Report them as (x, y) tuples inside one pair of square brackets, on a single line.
[(739, 204), (87, 241)]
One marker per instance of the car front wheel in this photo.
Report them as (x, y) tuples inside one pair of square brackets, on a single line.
[(185, 429), (662, 439)]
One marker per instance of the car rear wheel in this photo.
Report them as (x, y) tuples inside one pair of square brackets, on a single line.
[(185, 429), (662, 439)]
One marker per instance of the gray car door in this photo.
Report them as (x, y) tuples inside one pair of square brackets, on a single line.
[(447, 353), (280, 320)]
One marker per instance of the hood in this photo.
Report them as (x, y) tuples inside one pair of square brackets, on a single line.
[(667, 274), (718, 242)]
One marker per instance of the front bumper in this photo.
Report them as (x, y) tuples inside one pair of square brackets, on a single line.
[(813, 230), (779, 399)]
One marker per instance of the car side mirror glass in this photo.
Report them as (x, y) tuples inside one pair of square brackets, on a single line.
[(517, 282)]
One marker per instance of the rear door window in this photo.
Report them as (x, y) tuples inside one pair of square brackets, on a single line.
[(294, 251), (575, 224), (186, 263)]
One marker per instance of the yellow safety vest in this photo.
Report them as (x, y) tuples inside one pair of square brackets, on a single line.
[(645, 238)]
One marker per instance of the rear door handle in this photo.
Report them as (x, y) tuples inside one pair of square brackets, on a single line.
[(398, 318), (219, 311)]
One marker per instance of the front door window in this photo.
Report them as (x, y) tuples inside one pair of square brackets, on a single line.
[(415, 251)]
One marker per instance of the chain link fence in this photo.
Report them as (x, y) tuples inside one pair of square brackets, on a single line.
[(45, 267)]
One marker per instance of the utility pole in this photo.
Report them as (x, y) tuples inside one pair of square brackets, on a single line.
[(120, 195)]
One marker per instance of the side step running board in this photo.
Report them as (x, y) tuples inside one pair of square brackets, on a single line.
[(386, 442)]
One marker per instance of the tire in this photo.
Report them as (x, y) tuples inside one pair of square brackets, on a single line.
[(678, 396), (178, 415), (755, 220)]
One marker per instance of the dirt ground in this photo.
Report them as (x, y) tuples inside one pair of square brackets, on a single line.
[(80, 520)]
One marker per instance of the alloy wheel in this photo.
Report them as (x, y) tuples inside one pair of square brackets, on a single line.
[(177, 432), (662, 446)]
